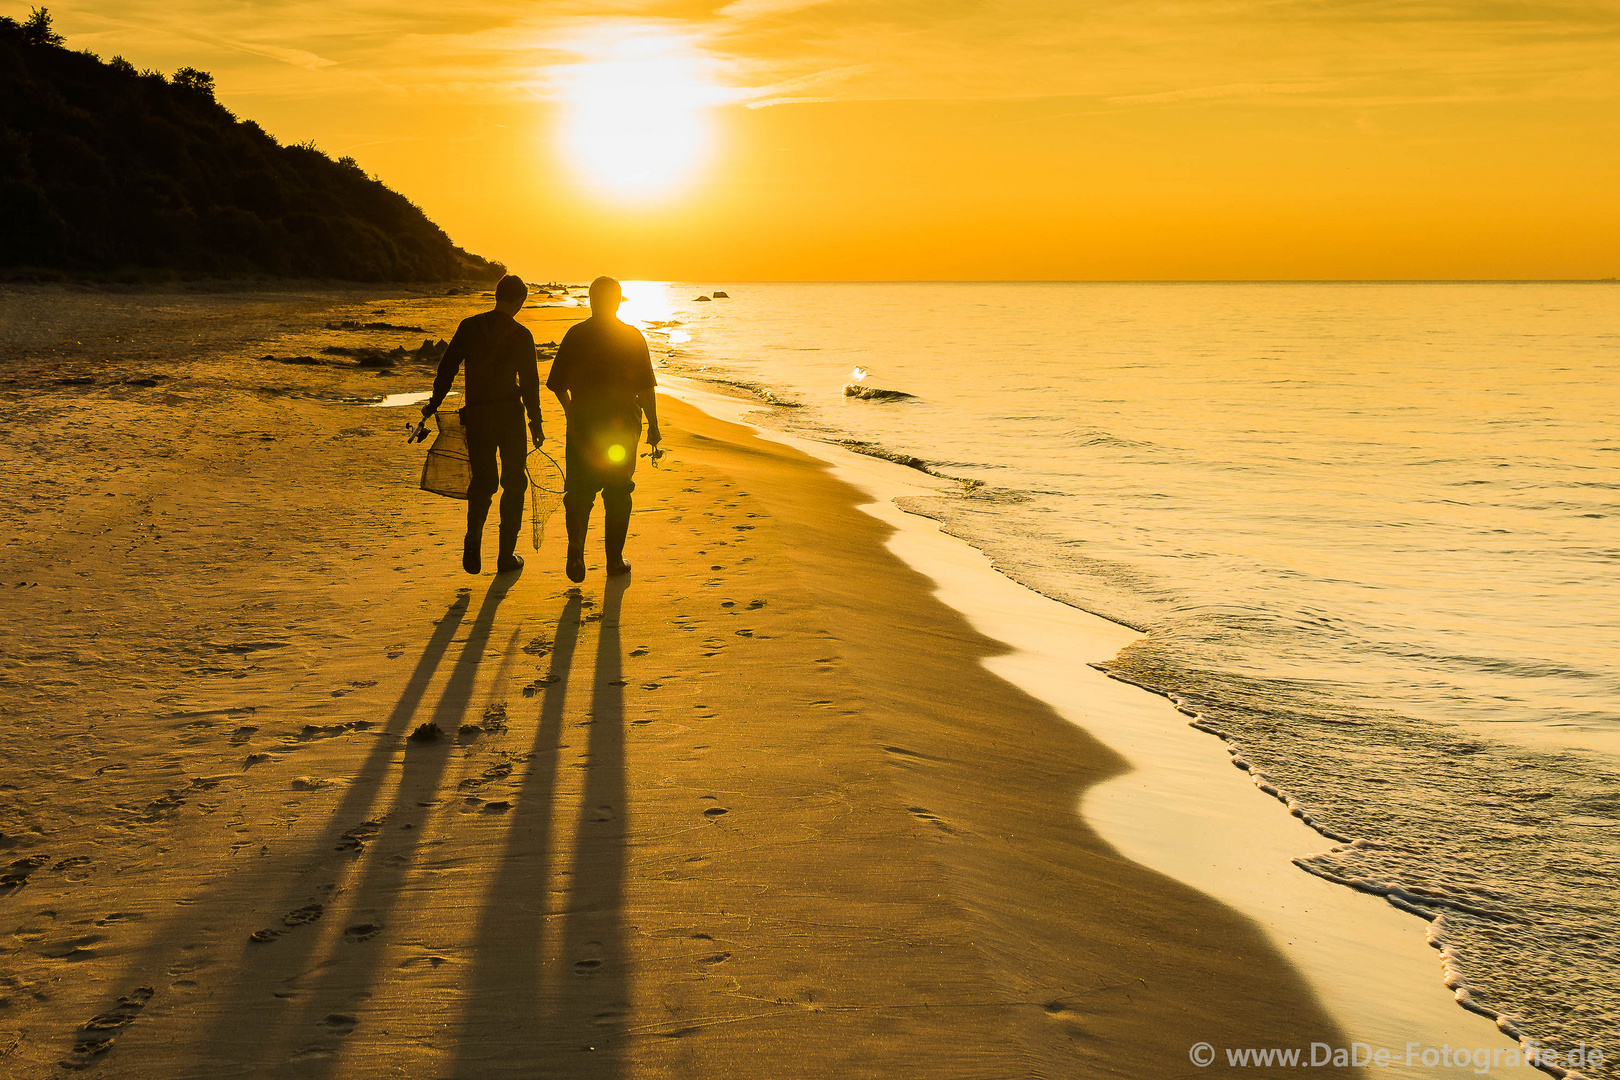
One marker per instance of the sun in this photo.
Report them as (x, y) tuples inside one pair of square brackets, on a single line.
[(637, 120)]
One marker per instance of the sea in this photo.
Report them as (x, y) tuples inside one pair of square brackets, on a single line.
[(1370, 532)]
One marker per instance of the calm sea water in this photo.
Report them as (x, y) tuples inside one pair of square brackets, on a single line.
[(1370, 531)]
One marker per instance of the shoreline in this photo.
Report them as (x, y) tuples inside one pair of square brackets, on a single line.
[(1370, 960)]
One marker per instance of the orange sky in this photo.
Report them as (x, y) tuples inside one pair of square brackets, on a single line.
[(946, 139)]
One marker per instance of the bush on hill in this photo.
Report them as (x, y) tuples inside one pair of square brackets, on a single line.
[(105, 169)]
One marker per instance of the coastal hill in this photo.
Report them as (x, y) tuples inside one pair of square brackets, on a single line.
[(106, 170)]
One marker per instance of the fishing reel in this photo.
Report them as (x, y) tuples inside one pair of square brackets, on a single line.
[(417, 432)]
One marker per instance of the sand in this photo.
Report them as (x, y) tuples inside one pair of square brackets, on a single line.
[(761, 810)]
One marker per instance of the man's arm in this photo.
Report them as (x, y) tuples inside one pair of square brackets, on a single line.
[(648, 400), (529, 390), (454, 353), (557, 381), (647, 396)]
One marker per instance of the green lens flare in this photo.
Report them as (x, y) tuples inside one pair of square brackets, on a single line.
[(616, 454)]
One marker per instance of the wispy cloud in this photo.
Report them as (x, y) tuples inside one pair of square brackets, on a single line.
[(1231, 90), (745, 10), (763, 52)]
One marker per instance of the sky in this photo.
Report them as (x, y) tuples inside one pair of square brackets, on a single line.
[(947, 139)]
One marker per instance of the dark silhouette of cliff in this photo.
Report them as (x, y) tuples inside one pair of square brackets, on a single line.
[(108, 170)]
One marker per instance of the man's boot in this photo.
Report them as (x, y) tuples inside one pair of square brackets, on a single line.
[(472, 560), (579, 522), (615, 528), (508, 559)]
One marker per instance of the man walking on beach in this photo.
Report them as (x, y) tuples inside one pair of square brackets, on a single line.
[(502, 383), (604, 378)]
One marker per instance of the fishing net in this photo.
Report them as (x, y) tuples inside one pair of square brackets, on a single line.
[(447, 470), (545, 494)]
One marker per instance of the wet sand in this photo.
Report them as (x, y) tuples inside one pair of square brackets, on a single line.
[(759, 811)]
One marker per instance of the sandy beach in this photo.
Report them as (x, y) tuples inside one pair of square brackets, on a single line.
[(760, 811)]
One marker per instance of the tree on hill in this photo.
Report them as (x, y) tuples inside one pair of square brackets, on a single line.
[(37, 29), (107, 169)]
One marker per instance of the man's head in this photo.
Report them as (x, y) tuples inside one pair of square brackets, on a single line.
[(606, 296), (510, 292)]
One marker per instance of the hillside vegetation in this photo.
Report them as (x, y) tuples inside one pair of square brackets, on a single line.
[(108, 170)]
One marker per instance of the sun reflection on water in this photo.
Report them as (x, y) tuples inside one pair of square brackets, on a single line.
[(649, 307)]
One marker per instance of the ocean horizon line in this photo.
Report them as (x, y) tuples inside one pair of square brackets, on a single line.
[(1136, 281)]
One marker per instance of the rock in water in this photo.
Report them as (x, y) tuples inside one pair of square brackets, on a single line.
[(872, 393)]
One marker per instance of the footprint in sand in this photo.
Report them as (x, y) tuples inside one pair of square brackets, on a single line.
[(16, 875), (494, 772), (76, 868), (118, 917), (419, 961), (338, 1023), (73, 949), (923, 814), (302, 916), (331, 731), (95, 1036), (361, 932), (640, 652), (355, 838), (539, 684)]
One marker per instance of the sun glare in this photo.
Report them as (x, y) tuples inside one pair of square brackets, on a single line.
[(637, 122)]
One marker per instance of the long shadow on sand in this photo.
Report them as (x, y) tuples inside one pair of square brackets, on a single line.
[(372, 900), (248, 885), (590, 1017), (513, 1022), (388, 847), (503, 996)]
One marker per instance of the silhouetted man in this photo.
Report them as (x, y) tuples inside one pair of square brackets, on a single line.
[(502, 383), (604, 378)]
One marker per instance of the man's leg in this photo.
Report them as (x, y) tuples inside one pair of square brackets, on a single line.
[(579, 495), (481, 443), (514, 446), (616, 521)]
